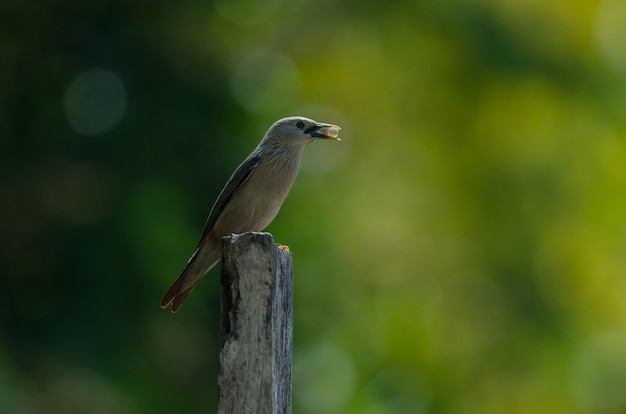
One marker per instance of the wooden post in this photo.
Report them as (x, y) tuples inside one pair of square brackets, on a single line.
[(256, 326)]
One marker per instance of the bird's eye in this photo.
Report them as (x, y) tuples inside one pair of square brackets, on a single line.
[(300, 124)]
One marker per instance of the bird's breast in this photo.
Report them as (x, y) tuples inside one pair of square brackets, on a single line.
[(255, 204)]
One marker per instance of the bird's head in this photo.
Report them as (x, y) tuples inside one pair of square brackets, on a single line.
[(297, 130)]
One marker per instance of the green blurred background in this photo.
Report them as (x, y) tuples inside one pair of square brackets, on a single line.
[(461, 250)]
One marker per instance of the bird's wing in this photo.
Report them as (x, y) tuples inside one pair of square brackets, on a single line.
[(235, 182)]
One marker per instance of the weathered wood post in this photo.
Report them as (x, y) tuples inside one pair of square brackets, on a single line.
[(256, 326)]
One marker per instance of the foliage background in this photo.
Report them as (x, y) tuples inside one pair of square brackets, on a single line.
[(462, 250)]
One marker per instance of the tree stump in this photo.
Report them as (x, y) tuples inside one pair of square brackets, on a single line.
[(256, 326)]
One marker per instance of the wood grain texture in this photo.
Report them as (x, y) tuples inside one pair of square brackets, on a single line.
[(256, 326)]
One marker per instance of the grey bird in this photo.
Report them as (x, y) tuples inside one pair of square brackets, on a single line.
[(252, 196)]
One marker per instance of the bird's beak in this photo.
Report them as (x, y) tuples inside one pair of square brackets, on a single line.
[(324, 131)]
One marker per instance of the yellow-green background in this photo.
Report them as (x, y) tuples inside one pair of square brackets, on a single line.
[(461, 250)]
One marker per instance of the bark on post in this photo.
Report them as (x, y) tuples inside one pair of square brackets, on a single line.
[(256, 326)]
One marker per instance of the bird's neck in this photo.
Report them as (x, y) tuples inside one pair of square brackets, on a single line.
[(285, 159)]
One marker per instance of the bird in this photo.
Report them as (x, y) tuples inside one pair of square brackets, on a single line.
[(251, 197)]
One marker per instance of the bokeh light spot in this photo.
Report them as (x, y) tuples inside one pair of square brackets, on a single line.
[(265, 81), (95, 101), (324, 379), (611, 32), (598, 377)]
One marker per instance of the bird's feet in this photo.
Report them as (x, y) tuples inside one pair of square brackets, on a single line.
[(285, 248)]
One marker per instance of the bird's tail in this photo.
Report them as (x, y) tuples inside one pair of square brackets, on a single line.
[(174, 295), (201, 262)]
